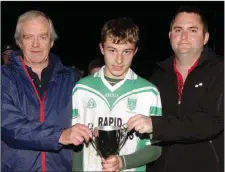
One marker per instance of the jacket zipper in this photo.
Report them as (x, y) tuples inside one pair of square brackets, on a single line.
[(178, 110), (42, 112), (216, 155), (219, 102), (167, 159)]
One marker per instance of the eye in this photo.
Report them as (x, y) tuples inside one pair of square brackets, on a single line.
[(27, 37), (193, 30), (177, 30), (127, 52), (112, 50), (44, 37)]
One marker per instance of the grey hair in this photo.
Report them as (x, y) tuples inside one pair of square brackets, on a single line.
[(31, 15)]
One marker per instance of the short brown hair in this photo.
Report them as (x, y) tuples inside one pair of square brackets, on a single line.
[(191, 9), (120, 30)]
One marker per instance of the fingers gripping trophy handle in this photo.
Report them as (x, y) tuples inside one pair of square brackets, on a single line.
[(124, 135), (91, 127)]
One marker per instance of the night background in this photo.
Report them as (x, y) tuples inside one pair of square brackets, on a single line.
[(78, 25)]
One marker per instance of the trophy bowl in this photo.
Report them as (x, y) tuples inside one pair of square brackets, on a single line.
[(108, 140)]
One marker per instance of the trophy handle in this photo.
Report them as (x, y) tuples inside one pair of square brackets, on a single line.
[(124, 134), (93, 142), (91, 127)]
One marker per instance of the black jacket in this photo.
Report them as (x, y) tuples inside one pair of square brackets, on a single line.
[(192, 132)]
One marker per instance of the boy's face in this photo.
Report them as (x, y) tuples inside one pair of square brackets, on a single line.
[(118, 58)]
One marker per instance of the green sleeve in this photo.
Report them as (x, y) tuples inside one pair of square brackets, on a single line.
[(77, 162), (141, 157)]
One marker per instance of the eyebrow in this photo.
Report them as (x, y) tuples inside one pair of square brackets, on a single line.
[(110, 47), (27, 35), (179, 27), (194, 27), (130, 49), (42, 34)]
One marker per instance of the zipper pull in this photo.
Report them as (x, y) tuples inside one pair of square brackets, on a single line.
[(179, 102)]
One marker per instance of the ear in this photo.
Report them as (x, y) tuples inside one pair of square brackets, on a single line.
[(206, 37), (136, 50), (52, 43), (101, 48), (169, 35), (19, 44)]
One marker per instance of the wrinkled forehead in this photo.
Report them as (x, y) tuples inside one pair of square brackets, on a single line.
[(38, 24)]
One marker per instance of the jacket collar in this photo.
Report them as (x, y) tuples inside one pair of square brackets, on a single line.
[(206, 55), (16, 63)]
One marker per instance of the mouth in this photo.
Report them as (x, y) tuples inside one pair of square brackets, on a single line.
[(35, 51), (117, 68), (183, 43)]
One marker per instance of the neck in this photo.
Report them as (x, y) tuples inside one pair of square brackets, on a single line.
[(186, 61), (37, 67)]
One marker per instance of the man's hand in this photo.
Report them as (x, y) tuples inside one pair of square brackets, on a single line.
[(75, 135), (140, 123), (113, 163)]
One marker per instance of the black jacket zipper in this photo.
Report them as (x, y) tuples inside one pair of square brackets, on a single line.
[(216, 155)]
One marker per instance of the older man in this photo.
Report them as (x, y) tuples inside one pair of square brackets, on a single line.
[(36, 102)]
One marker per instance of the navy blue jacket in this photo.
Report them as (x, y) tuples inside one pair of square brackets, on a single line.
[(31, 126)]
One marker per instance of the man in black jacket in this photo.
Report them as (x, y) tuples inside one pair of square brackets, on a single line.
[(191, 85)]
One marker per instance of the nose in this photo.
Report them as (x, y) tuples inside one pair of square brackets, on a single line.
[(35, 42), (119, 59), (184, 35)]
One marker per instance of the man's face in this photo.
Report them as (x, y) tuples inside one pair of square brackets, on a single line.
[(35, 41), (118, 58), (186, 35)]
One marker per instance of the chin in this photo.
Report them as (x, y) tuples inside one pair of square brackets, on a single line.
[(183, 52), (118, 74), (37, 61)]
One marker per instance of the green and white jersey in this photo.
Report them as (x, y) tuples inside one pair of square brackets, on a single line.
[(96, 101)]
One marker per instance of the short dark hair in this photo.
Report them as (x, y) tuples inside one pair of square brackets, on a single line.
[(120, 30), (191, 9), (94, 64)]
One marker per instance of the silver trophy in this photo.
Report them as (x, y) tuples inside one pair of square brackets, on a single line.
[(108, 140)]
